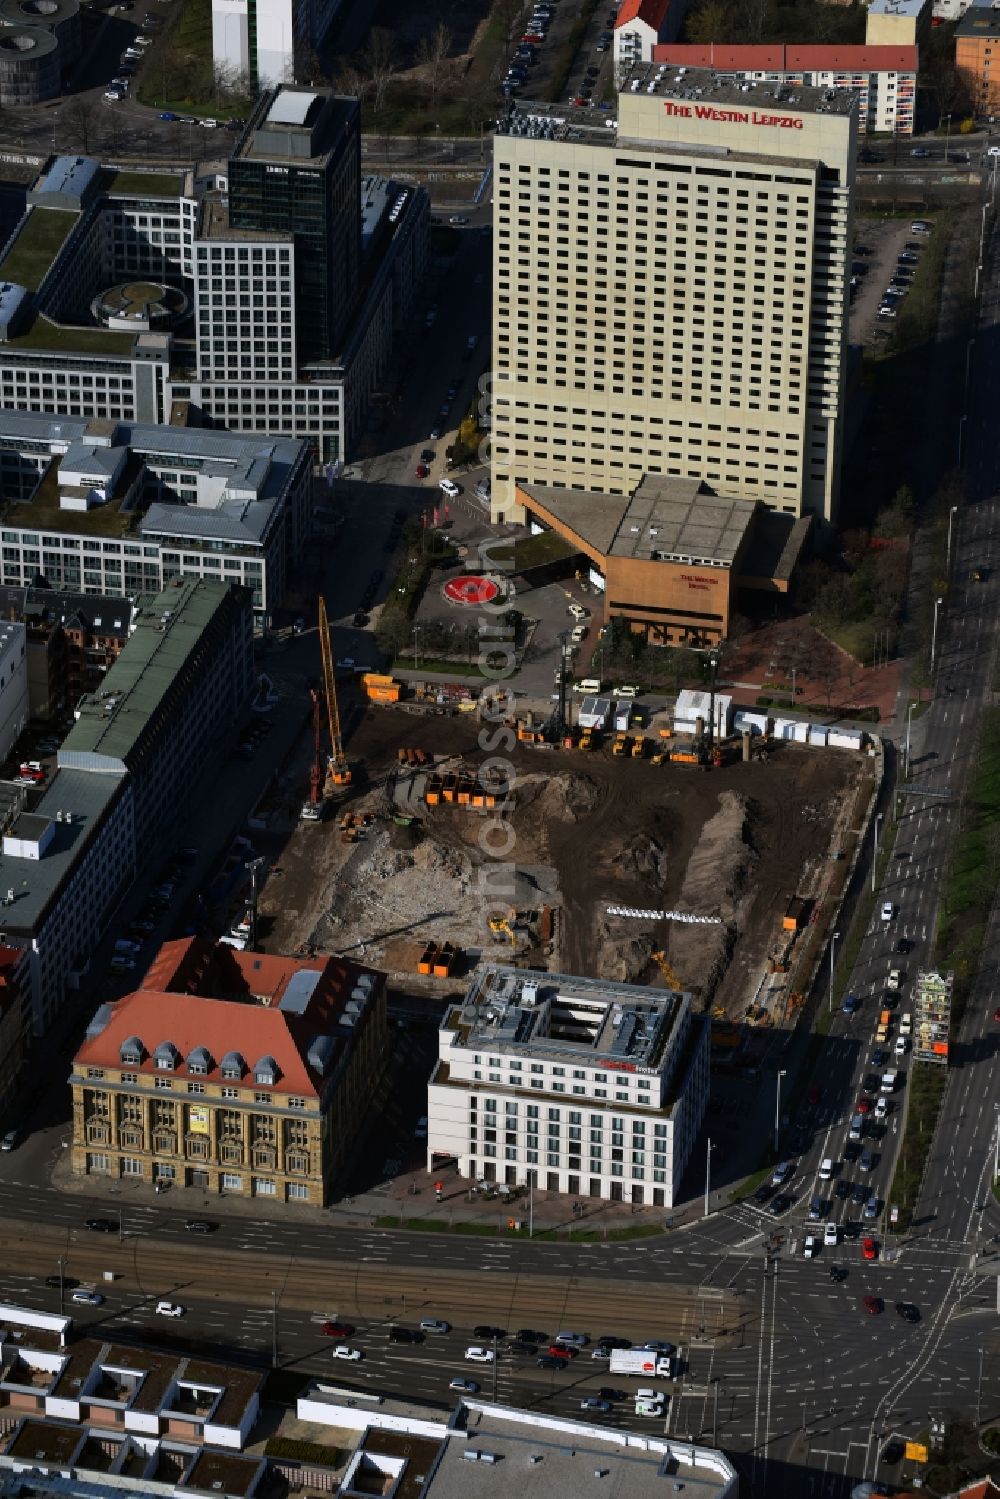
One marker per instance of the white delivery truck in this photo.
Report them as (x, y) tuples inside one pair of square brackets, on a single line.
[(641, 1361)]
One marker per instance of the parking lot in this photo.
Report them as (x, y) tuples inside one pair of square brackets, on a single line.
[(876, 267), (537, 54)]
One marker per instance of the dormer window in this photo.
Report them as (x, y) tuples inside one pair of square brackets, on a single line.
[(266, 1072), (199, 1063), (166, 1056), (131, 1052), (232, 1066)]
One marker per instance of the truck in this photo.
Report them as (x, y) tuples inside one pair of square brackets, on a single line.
[(640, 1361)]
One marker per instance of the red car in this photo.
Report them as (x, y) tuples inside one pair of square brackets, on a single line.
[(422, 471), (865, 1104), (530, 39), (815, 1094), (560, 1350), (869, 1249), (337, 1329), (873, 1305), (996, 1015)]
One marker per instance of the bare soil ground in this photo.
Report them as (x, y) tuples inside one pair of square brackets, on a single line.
[(586, 831)]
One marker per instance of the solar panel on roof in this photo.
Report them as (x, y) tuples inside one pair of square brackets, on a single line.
[(291, 108)]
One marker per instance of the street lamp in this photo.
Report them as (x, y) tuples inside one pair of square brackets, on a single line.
[(61, 1262), (708, 1173), (951, 520), (906, 751), (416, 637), (947, 137), (961, 435), (834, 939), (777, 1108), (937, 604), (274, 1329), (878, 819)]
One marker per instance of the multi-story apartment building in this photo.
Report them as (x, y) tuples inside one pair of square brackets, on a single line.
[(884, 78), (228, 334), (73, 640), (641, 25), (231, 1072), (118, 508), (897, 23), (977, 58), (670, 291), (122, 773), (569, 1084), (13, 684), (269, 41)]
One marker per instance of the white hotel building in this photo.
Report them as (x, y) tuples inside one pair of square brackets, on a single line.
[(570, 1085), (670, 291)]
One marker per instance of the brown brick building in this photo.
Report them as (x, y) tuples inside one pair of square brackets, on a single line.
[(73, 640), (231, 1072)]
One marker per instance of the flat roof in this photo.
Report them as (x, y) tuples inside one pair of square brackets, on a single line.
[(781, 57), (34, 881), (46, 1442), (110, 724), (571, 1461), (292, 106), (670, 520), (509, 1008), (42, 235), (214, 224)]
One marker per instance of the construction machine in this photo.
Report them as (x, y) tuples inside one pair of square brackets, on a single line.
[(312, 810), (670, 977), (338, 772), (501, 926)]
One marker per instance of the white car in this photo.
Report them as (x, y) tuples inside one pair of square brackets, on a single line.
[(343, 1350), (810, 1246), (901, 1047), (476, 1355), (991, 151), (649, 1407), (830, 1234), (450, 488), (882, 1106), (888, 910), (577, 611), (467, 1386), (579, 634), (169, 1309), (209, 124), (113, 95), (655, 1396)]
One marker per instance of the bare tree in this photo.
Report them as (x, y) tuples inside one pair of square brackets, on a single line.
[(81, 117), (710, 22), (432, 55), (308, 65), (351, 81), (379, 62)]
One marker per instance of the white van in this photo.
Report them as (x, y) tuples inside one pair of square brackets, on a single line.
[(888, 1083), (902, 1046), (826, 1169), (589, 685)]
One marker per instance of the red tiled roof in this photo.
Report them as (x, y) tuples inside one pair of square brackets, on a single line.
[(782, 59), (198, 993), (986, 1489), (653, 12)]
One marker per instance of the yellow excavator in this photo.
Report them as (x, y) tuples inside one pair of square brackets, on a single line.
[(338, 772), (504, 926), (670, 977)]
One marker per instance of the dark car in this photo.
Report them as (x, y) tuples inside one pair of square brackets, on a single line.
[(904, 945), (101, 1225), (879, 1056), (781, 1203), (521, 1349), (852, 1152), (484, 1331), (360, 619), (907, 1311), (607, 1392), (342, 1329), (892, 1451), (872, 1305), (763, 1192), (859, 1193), (842, 1190), (609, 1341), (404, 1335), (67, 1282), (200, 1226), (546, 1361), (531, 1335)]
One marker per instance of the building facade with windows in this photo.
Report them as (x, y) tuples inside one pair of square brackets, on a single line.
[(73, 639), (977, 58), (641, 25), (117, 508), (232, 1072), (69, 855), (883, 78), (671, 290), (276, 337), (569, 1084)]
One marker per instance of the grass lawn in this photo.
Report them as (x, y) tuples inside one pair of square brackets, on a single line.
[(535, 551), (42, 334), (37, 245), (138, 184), (975, 866), (434, 664)]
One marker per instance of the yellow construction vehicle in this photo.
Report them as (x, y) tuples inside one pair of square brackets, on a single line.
[(586, 740), (338, 772), (505, 926), (638, 746), (660, 959), (620, 741)]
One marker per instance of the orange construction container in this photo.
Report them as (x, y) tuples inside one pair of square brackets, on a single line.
[(427, 957)]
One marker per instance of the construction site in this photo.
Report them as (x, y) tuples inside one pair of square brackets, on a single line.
[(419, 852)]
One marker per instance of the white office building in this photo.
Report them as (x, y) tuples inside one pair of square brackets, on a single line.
[(670, 291), (569, 1084), (269, 41), (243, 313), (118, 508)]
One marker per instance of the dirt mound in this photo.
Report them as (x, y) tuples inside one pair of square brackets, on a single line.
[(642, 859), (441, 861), (557, 798), (717, 883), (621, 954)]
